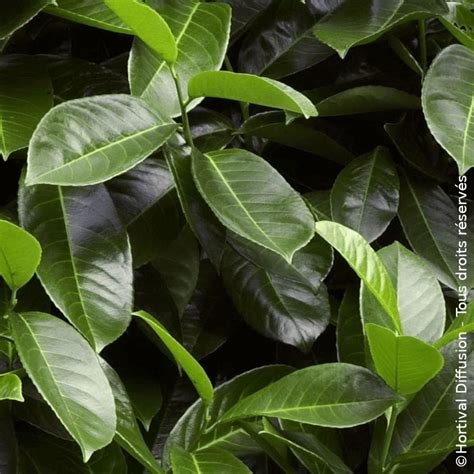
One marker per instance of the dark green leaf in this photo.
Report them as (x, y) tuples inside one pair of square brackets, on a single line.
[(16, 14)]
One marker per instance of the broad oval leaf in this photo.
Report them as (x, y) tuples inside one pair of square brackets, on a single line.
[(365, 262), (397, 359), (20, 255), (67, 373), (448, 103), (365, 194), (190, 365), (251, 89), (16, 14), (250, 198), (26, 96), (90, 140), (10, 387), (334, 395), (148, 25), (87, 266), (356, 22), (202, 33)]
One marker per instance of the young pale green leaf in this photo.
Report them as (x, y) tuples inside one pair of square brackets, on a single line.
[(87, 266), (250, 198), (420, 299), (334, 395), (148, 25), (66, 372), (202, 33), (365, 262), (459, 21), (20, 255), (190, 365), (215, 461), (398, 359), (26, 96), (448, 103), (252, 89), (10, 387), (128, 434), (89, 12), (16, 14), (90, 140), (356, 22), (365, 194)]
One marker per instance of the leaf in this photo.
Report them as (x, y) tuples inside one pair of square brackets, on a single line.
[(359, 22), (211, 462), (334, 395), (423, 436), (448, 103), (250, 198), (26, 96), (89, 12), (362, 100), (420, 299), (128, 434), (20, 255), (10, 387), (463, 322), (365, 262), (148, 25), (244, 14), (192, 368), (67, 373), (397, 359), (252, 89), (365, 194), (102, 137), (459, 21), (210, 130), (202, 33), (428, 215), (86, 266), (17, 14)]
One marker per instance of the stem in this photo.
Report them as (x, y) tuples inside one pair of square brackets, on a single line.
[(186, 127), (389, 434), (422, 44)]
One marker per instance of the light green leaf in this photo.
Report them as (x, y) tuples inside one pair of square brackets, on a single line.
[(148, 25), (397, 359), (16, 14), (463, 322), (90, 140), (356, 22), (334, 395), (216, 461), (190, 365), (67, 373), (448, 103), (10, 387), (252, 89), (202, 34), (365, 262), (87, 266), (250, 198), (20, 255), (365, 194), (89, 12), (27, 95)]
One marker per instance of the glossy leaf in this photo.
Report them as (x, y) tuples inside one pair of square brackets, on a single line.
[(202, 33), (363, 21), (365, 262), (252, 89), (67, 373), (10, 387), (103, 136), (20, 255), (333, 395), (192, 368), (459, 21), (86, 267), (236, 184), (148, 25), (448, 103), (15, 15), (397, 359), (26, 96), (365, 194), (245, 13)]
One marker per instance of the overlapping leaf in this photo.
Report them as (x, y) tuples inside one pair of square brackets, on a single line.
[(16, 14)]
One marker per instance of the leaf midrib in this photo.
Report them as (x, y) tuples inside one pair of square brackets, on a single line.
[(469, 118)]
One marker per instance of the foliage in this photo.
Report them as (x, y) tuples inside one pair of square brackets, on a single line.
[(231, 235)]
